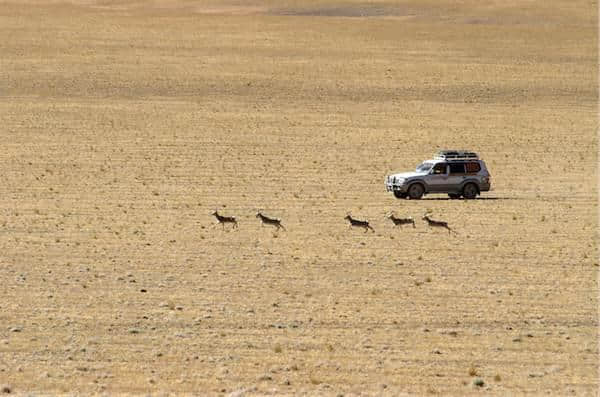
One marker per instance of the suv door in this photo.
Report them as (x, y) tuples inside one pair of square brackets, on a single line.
[(437, 180), (456, 175)]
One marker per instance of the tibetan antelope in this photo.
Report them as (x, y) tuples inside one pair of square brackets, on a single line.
[(265, 220), (225, 219), (401, 221), (433, 223), (357, 223)]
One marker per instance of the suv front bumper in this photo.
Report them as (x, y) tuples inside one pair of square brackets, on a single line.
[(390, 187)]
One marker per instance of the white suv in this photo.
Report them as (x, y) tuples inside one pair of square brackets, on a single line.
[(455, 172)]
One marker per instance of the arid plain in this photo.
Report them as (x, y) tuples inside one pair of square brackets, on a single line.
[(125, 124)]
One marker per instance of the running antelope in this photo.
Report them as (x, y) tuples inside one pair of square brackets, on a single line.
[(225, 219), (401, 221), (265, 220), (357, 223), (433, 223)]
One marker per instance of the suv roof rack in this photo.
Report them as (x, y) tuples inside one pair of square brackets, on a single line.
[(456, 155)]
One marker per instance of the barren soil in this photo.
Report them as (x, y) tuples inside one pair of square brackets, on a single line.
[(125, 124)]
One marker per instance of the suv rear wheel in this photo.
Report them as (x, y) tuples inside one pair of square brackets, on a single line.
[(416, 191), (470, 191)]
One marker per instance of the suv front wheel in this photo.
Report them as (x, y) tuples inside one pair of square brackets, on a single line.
[(416, 191), (470, 191)]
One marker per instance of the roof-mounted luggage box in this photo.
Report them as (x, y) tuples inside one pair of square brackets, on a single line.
[(456, 155)]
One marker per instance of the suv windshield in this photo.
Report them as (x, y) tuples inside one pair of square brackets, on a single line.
[(424, 167)]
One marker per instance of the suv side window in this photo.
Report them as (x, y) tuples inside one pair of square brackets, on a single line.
[(457, 168), (439, 168), (473, 167)]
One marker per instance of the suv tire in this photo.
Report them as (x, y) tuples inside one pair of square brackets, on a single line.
[(416, 191), (454, 196), (400, 195), (470, 191)]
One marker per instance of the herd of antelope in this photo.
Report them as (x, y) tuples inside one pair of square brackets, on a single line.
[(364, 224)]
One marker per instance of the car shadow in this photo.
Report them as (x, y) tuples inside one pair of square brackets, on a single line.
[(475, 199)]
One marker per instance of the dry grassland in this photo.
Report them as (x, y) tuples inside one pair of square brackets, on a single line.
[(126, 123)]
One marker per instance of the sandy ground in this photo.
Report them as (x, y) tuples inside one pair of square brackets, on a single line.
[(125, 124)]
